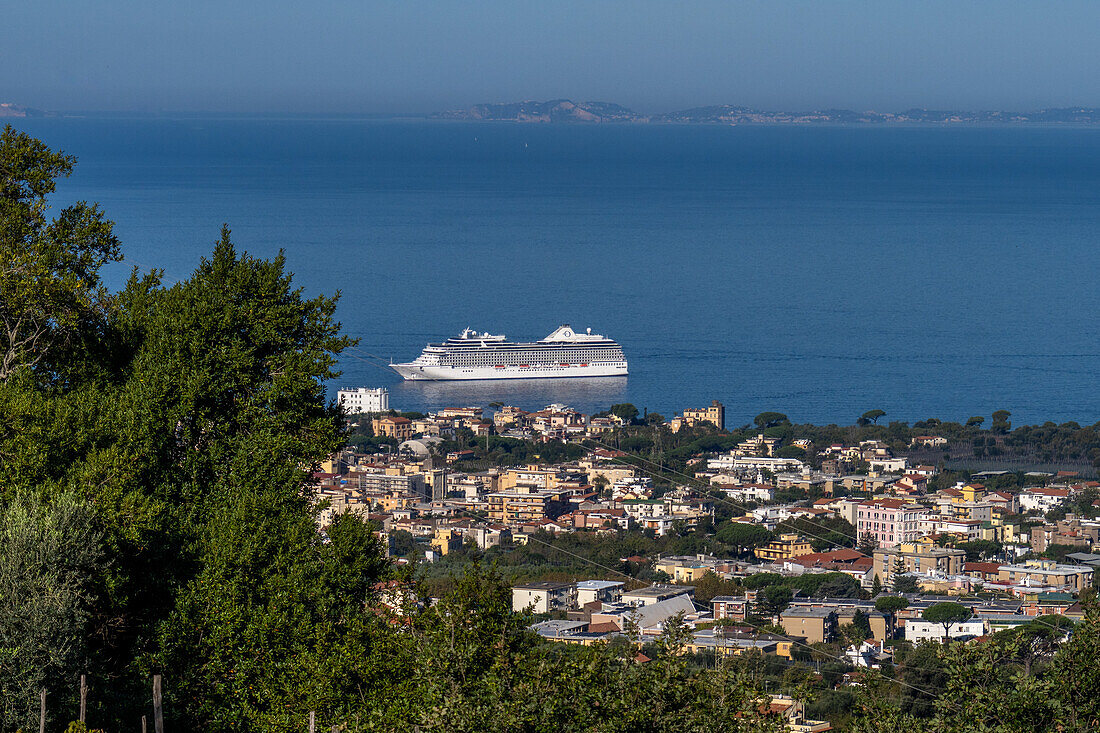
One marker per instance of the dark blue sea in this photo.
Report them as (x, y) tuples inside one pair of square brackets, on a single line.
[(818, 271)]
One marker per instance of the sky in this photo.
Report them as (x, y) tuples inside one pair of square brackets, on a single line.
[(416, 56)]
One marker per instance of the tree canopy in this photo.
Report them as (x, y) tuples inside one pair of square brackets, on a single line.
[(770, 419), (946, 614), (870, 417), (890, 604), (743, 536), (49, 269)]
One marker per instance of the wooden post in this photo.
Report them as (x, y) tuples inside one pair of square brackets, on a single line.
[(158, 706), (83, 698), (312, 722), (143, 729), (42, 712)]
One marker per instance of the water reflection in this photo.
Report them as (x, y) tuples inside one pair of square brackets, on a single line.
[(528, 394)]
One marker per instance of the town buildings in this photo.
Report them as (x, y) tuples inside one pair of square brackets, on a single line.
[(1048, 573)]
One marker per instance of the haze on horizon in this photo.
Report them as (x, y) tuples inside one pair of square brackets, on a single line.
[(402, 57)]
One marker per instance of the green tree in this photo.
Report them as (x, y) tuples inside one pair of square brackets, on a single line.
[(905, 584), (876, 586), (858, 630), (1075, 676), (1000, 422), (871, 416), (890, 604), (791, 451), (625, 412), (824, 533), (975, 421), (1039, 639), (770, 419), (982, 692), (762, 580), (946, 614), (50, 289), (743, 536), (868, 543), (50, 561), (774, 599), (977, 550)]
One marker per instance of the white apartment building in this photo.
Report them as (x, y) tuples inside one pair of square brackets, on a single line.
[(739, 464), (1042, 499), (544, 597), (917, 629), (363, 399)]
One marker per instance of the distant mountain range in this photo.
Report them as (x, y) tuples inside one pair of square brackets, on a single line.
[(565, 110), (556, 110), (7, 109)]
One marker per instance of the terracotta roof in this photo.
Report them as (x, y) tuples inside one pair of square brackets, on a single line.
[(886, 503), (842, 556), (981, 567)]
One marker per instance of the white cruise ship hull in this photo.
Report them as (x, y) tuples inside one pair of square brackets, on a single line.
[(424, 373)]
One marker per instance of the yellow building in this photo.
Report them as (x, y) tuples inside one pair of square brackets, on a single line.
[(399, 428), (682, 571), (531, 476), (715, 415), (522, 506), (446, 540), (922, 557), (784, 548)]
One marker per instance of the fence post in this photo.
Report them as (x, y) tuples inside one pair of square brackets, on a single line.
[(83, 697), (42, 711), (158, 706), (312, 722), (143, 729)]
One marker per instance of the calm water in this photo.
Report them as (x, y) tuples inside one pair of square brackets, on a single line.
[(821, 272)]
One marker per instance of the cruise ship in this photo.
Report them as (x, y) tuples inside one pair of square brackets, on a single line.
[(473, 355)]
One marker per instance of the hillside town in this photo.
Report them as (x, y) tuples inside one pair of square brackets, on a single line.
[(847, 547)]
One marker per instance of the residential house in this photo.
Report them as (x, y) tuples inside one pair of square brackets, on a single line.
[(655, 594), (715, 415), (815, 625), (1041, 499), (735, 607), (604, 591), (984, 571), (390, 426), (524, 505), (917, 557), (918, 629), (544, 597), (793, 714), (784, 547)]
